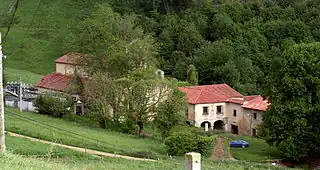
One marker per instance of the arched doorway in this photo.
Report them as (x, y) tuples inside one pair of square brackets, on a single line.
[(203, 124), (218, 125)]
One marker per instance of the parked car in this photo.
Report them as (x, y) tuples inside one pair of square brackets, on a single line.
[(239, 143)]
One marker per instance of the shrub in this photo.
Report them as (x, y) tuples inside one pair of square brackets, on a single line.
[(54, 104), (184, 128), (179, 143), (205, 145), (185, 139)]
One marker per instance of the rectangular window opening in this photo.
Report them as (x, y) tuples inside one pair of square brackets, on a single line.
[(219, 109), (205, 110)]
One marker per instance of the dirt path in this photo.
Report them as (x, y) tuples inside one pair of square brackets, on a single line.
[(218, 151), (89, 151)]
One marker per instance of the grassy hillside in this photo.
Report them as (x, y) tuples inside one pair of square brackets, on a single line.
[(10, 161), (92, 138), (25, 154), (42, 32)]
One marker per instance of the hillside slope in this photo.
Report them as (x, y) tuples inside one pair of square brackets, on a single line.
[(42, 32)]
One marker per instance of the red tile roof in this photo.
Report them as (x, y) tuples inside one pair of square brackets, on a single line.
[(211, 94), (256, 103), (70, 58), (219, 93), (55, 81)]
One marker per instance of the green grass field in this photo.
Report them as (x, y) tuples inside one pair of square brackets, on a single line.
[(14, 75), (10, 161), (258, 150), (42, 32), (25, 154), (103, 140), (28, 148)]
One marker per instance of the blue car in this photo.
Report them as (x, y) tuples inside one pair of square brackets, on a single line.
[(239, 143)]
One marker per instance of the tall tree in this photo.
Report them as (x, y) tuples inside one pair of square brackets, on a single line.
[(192, 75), (292, 123)]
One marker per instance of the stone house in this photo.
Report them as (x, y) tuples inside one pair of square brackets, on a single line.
[(220, 107), (60, 80)]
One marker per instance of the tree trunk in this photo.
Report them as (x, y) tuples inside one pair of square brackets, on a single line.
[(140, 131), (102, 123)]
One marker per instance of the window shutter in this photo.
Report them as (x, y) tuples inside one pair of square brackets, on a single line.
[(222, 109)]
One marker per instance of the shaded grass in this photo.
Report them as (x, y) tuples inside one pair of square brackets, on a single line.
[(103, 140), (10, 161), (26, 147), (14, 75), (257, 151)]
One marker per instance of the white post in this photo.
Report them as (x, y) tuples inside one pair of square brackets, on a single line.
[(192, 161), (20, 95), (206, 127), (2, 137)]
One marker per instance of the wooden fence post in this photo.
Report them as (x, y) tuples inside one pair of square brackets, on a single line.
[(192, 161)]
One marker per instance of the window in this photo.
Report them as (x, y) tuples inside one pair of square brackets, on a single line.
[(205, 110), (235, 113), (254, 115), (219, 109)]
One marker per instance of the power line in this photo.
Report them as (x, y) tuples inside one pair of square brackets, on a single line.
[(29, 27), (11, 21), (119, 148)]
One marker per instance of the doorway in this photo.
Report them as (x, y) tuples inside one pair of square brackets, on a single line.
[(218, 125), (234, 129)]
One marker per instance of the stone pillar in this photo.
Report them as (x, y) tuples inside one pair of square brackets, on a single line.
[(192, 161), (206, 126)]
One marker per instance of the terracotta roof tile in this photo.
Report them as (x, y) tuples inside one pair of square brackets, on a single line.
[(70, 58), (54, 81), (211, 94), (256, 103), (218, 93)]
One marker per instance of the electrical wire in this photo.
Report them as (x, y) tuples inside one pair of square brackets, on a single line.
[(11, 21), (119, 148)]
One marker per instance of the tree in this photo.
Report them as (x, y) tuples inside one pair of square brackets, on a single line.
[(171, 112), (291, 124), (145, 92), (192, 75), (114, 44)]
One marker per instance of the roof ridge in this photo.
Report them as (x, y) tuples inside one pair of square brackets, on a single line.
[(199, 94)]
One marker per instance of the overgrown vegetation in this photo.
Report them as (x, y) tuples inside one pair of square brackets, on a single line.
[(183, 139), (54, 104)]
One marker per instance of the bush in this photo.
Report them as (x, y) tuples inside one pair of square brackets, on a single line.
[(179, 143), (205, 145), (184, 128), (185, 139), (54, 104)]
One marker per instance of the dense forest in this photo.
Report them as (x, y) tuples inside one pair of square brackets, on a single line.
[(229, 42)]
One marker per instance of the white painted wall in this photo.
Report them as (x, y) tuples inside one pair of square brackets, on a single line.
[(212, 116)]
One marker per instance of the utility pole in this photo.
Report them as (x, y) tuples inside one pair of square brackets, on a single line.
[(20, 95), (2, 137)]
